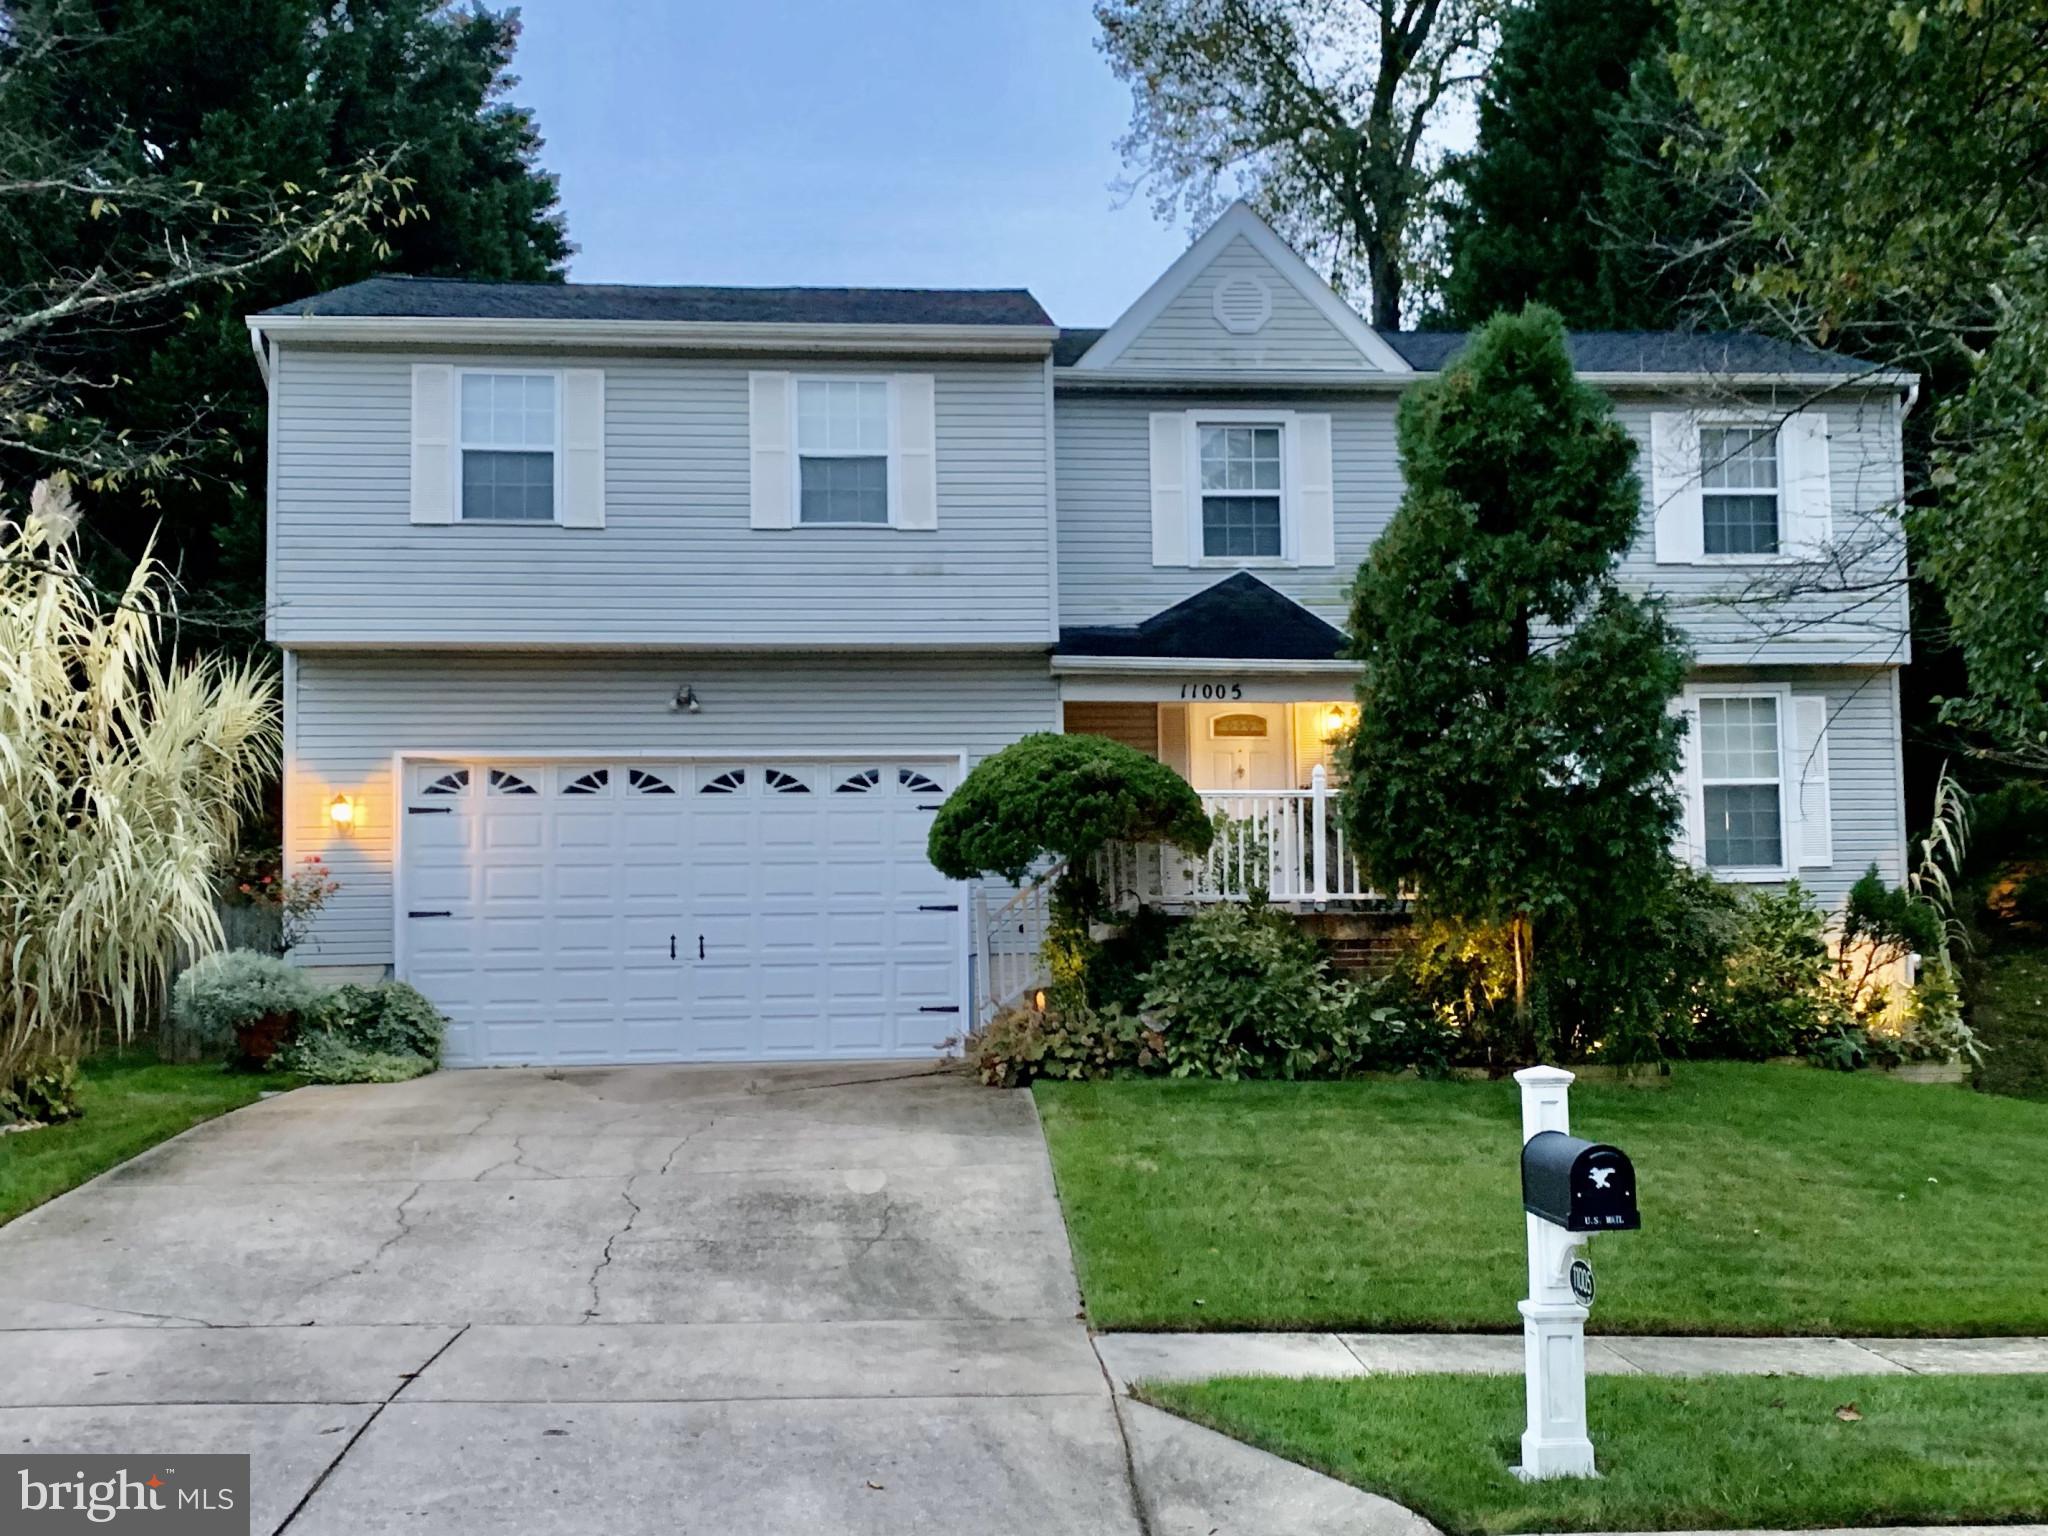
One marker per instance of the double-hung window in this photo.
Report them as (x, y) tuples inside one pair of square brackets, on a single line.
[(511, 426), (1742, 781), (1739, 491), (842, 446), (1241, 491)]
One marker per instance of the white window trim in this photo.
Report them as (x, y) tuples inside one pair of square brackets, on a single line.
[(1290, 498), (1781, 695), (1775, 425), (891, 497), (463, 446)]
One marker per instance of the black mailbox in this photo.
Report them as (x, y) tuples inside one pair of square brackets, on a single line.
[(1582, 1186)]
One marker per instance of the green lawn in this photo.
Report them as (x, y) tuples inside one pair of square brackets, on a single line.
[(1698, 1453), (131, 1103), (2009, 1010), (1774, 1200)]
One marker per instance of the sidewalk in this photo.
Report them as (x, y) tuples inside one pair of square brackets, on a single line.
[(1130, 1357)]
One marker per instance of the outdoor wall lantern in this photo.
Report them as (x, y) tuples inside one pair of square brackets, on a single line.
[(342, 812), (685, 702)]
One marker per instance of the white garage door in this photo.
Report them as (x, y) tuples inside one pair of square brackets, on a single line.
[(706, 911)]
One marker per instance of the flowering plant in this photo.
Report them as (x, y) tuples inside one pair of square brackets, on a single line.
[(297, 898)]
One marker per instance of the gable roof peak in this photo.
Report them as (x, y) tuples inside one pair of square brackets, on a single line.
[(1241, 222)]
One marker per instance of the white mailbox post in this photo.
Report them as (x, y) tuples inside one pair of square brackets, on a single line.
[(1570, 1190), (1555, 1443)]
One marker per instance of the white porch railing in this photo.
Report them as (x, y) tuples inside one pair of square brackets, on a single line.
[(1285, 844), (1013, 942)]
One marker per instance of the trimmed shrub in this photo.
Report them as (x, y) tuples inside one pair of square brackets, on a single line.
[(321, 1057), (1775, 999), (236, 988), (1061, 796), (355, 1034), (1243, 992), (1390, 1030), (391, 1017)]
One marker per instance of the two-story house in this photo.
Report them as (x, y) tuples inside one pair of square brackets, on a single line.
[(631, 636)]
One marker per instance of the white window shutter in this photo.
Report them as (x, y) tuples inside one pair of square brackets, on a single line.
[(1690, 846), (1675, 487), (433, 443), (914, 437), (583, 448), (1315, 529), (1813, 840), (1808, 491), (1170, 489), (771, 496)]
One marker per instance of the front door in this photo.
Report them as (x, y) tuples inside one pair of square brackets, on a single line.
[(1238, 747)]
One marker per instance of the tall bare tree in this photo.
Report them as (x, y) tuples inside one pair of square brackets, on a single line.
[(1317, 112)]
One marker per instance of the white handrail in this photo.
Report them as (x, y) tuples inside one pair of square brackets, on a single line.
[(1285, 844), (1013, 942)]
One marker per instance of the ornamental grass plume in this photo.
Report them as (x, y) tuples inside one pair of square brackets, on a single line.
[(124, 777)]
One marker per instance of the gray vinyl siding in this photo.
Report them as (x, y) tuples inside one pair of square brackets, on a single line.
[(1185, 336), (1738, 615), (1106, 573), (676, 563), (351, 712), (1105, 502), (1866, 810)]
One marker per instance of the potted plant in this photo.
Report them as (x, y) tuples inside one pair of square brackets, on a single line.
[(242, 1003)]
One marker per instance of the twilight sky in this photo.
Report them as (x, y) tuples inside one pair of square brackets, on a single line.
[(961, 143)]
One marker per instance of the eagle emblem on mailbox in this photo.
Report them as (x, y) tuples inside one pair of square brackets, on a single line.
[(1582, 1186)]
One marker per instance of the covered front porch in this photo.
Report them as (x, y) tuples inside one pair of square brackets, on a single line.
[(1245, 693), (1267, 775)]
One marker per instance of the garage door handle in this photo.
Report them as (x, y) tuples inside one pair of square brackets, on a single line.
[(940, 1008), (671, 946), (700, 946), (430, 810), (951, 907), (429, 914)]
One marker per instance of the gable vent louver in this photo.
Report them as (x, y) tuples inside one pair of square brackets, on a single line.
[(1243, 304)]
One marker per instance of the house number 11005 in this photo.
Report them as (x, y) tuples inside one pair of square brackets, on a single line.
[(1212, 690)]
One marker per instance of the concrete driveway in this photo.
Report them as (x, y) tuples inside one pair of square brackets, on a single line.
[(812, 1300)]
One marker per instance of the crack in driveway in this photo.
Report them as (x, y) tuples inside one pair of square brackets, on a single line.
[(391, 1397), (676, 1150), (605, 1259), (404, 1231)]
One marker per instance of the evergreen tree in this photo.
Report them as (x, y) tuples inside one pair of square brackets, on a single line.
[(243, 93), (1572, 197), (1515, 756)]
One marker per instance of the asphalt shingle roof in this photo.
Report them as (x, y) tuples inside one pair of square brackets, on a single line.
[(1596, 352), (1240, 618), (1650, 352), (442, 298), (439, 298)]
